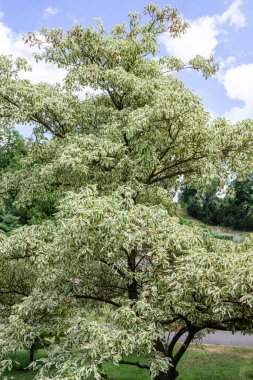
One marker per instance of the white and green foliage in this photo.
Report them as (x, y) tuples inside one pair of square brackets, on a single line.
[(115, 247)]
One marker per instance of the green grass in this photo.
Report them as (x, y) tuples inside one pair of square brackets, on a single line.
[(215, 363), (126, 372), (217, 231), (22, 360), (206, 363)]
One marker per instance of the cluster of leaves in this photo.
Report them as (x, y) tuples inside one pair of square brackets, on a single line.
[(234, 210)]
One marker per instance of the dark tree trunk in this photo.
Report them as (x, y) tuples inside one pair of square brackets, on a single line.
[(167, 349), (31, 354), (172, 374), (132, 290), (31, 358)]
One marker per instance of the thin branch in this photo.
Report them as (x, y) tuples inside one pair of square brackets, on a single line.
[(21, 257), (169, 321), (171, 175), (177, 163), (34, 117), (13, 292), (217, 324), (94, 298), (113, 266), (137, 364)]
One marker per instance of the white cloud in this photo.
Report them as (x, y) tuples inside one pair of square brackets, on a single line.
[(201, 38), (13, 44), (49, 11), (238, 83), (233, 15), (203, 35), (229, 61)]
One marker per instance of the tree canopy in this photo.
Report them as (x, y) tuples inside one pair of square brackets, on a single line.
[(114, 245)]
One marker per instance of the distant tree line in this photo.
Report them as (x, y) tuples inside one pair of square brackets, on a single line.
[(234, 210)]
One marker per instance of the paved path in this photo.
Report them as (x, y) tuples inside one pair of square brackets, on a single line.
[(225, 338)]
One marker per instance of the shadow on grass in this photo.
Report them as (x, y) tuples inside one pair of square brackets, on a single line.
[(207, 363)]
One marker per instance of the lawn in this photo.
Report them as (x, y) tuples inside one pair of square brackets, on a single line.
[(215, 363), (217, 231), (199, 363)]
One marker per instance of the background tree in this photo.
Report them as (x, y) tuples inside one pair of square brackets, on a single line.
[(234, 210), (12, 149), (114, 240)]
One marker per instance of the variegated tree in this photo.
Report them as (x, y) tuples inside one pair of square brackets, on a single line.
[(115, 247)]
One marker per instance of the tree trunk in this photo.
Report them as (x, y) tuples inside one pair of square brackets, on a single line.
[(31, 358), (132, 290), (167, 351), (172, 374), (31, 354)]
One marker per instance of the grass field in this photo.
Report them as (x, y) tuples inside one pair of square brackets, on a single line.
[(217, 231), (199, 363)]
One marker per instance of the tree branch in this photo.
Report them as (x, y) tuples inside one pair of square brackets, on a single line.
[(174, 340), (13, 292), (94, 298), (34, 117), (183, 347), (220, 324), (137, 364)]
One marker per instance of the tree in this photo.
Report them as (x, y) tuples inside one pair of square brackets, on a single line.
[(114, 245), (13, 148), (234, 210)]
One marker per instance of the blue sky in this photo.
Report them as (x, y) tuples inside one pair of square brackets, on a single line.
[(224, 27)]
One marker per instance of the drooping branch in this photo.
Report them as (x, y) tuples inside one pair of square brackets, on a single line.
[(137, 364), (34, 117), (2, 292), (221, 325), (95, 298), (26, 256)]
